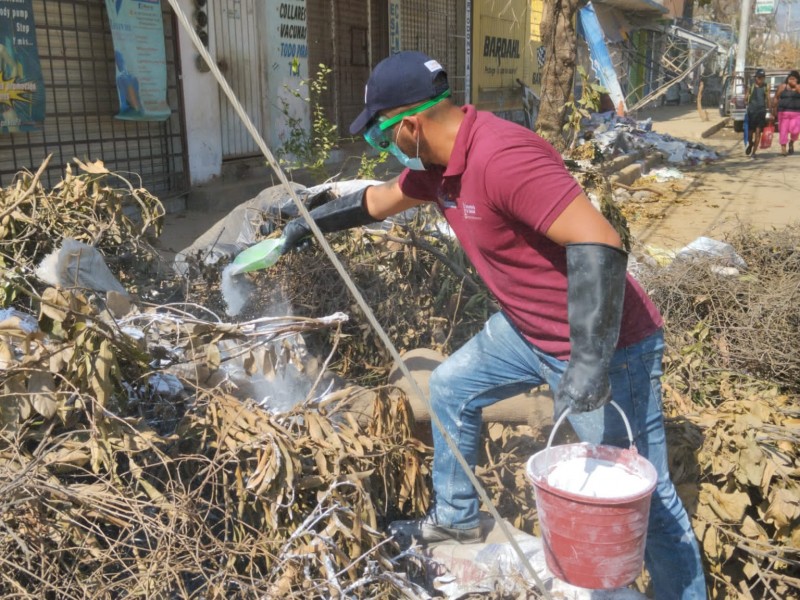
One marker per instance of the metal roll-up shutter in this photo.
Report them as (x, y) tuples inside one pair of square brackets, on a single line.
[(238, 48), (77, 60)]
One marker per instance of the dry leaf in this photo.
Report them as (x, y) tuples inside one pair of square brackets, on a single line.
[(750, 570), (101, 374), (751, 464), (753, 530), (784, 506), (6, 356), (727, 506), (41, 387), (118, 304), (711, 542), (61, 358), (54, 304), (96, 168), (213, 357)]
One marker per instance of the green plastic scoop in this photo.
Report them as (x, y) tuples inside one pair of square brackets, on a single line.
[(261, 256)]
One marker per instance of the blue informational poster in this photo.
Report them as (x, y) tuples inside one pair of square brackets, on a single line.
[(22, 99), (137, 29)]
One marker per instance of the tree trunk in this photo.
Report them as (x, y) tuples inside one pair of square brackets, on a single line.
[(559, 40)]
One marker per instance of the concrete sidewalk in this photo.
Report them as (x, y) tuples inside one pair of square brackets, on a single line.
[(684, 121), (718, 197)]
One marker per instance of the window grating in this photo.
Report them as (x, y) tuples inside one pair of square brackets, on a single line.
[(436, 27), (77, 59)]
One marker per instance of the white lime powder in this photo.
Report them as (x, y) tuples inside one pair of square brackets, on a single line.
[(596, 478), (236, 290)]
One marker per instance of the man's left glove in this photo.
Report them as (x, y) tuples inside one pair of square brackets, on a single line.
[(342, 213), (595, 293)]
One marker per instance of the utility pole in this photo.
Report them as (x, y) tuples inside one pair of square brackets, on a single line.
[(741, 47)]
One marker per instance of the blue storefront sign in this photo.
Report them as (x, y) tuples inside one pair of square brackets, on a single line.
[(22, 99), (137, 29)]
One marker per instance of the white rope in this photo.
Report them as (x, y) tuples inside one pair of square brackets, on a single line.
[(248, 123)]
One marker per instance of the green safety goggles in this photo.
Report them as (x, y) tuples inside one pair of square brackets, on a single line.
[(379, 133)]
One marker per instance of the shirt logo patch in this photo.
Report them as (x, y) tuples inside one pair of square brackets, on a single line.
[(471, 212)]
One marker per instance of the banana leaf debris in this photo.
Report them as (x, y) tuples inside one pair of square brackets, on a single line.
[(152, 446)]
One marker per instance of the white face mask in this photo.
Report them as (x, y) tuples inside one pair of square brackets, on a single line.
[(415, 164)]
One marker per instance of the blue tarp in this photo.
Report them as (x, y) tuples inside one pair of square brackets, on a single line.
[(589, 28)]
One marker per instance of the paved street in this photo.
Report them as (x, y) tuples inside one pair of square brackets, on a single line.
[(764, 191)]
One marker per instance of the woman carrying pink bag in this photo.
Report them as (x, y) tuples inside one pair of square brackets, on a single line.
[(786, 105)]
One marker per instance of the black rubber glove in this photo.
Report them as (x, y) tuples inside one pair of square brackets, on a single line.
[(287, 211), (342, 213), (595, 293)]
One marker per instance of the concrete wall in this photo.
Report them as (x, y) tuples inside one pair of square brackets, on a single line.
[(284, 50), (286, 62), (201, 104)]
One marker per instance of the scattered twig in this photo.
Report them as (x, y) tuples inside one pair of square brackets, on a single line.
[(29, 191), (415, 240), (638, 189)]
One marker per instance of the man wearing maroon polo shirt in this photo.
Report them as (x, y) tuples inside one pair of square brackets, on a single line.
[(571, 316)]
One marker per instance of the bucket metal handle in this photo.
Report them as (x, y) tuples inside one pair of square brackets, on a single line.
[(566, 412)]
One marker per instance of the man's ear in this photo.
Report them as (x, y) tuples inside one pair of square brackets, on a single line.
[(411, 124)]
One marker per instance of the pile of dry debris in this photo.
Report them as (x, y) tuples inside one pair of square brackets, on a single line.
[(145, 449)]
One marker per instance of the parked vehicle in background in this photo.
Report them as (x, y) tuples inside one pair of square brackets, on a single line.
[(732, 102), (733, 99)]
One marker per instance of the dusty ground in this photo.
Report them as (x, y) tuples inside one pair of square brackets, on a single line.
[(183, 228), (711, 198), (764, 191)]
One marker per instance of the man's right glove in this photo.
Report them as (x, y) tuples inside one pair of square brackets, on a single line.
[(342, 213), (595, 292)]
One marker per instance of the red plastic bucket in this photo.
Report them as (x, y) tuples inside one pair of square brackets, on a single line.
[(593, 542)]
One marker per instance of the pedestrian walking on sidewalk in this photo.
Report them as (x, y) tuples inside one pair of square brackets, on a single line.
[(757, 101), (571, 315), (786, 106)]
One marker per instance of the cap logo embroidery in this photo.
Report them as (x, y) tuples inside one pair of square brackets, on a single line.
[(433, 65)]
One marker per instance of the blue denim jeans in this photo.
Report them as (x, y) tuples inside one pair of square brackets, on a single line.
[(499, 362)]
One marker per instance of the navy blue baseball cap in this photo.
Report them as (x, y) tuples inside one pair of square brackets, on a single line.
[(403, 78)]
